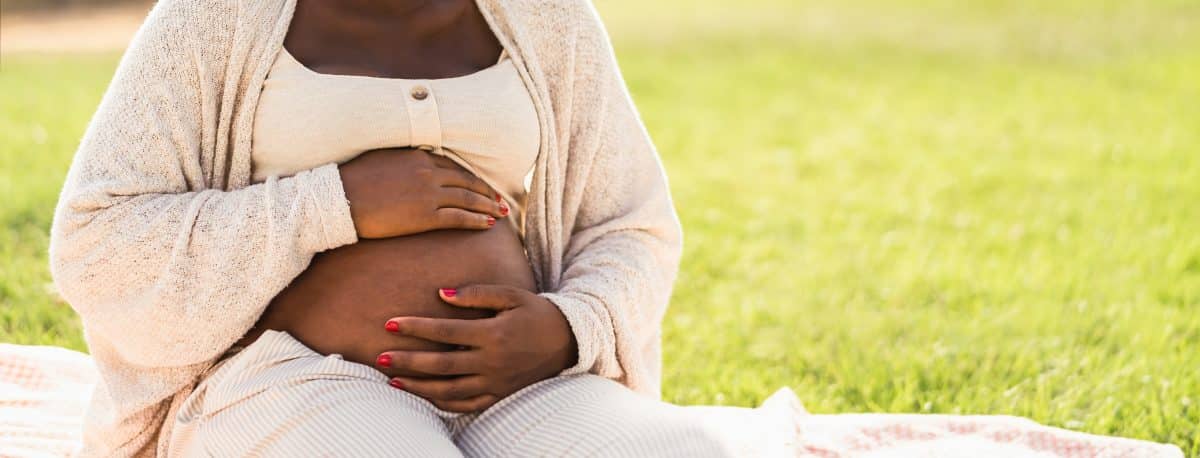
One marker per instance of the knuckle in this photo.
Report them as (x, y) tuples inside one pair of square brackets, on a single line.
[(467, 177), (503, 296), (510, 295), (421, 325), (442, 331), (430, 202), (500, 337), (477, 385), (465, 198), (444, 364), (511, 380), (401, 359), (483, 292), (480, 204), (424, 173), (483, 402), (495, 365)]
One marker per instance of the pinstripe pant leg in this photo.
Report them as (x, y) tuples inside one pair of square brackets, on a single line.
[(279, 398), (586, 415)]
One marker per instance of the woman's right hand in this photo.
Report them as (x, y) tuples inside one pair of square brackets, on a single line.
[(403, 191)]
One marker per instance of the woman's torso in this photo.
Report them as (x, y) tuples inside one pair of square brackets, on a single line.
[(479, 116), (483, 121)]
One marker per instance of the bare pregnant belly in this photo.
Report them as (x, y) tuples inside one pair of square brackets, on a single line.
[(341, 302)]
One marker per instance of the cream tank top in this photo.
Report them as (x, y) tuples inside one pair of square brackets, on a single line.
[(484, 121)]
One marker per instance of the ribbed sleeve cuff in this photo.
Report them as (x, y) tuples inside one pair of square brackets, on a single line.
[(333, 209), (585, 326)]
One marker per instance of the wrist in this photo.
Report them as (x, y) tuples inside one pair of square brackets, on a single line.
[(569, 355), (566, 349), (364, 228), (586, 331)]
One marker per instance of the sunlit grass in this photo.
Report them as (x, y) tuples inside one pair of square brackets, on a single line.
[(894, 206)]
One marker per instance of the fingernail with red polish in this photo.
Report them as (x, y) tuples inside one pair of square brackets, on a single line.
[(503, 209), (392, 326), (491, 221), (384, 360), (449, 292), (497, 197), (396, 383)]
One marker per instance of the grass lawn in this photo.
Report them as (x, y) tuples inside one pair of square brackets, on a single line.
[(890, 205)]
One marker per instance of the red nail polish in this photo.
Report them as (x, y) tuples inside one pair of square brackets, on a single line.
[(503, 210), (384, 360), (497, 197), (449, 292), (392, 326), (491, 221), (397, 384)]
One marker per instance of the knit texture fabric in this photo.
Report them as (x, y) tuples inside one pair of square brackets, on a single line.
[(169, 254)]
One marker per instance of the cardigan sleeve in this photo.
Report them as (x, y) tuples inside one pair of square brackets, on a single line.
[(625, 242), (163, 266)]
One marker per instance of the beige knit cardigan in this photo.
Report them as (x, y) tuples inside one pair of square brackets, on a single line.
[(169, 254)]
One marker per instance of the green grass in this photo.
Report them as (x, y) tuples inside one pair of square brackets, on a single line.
[(889, 206)]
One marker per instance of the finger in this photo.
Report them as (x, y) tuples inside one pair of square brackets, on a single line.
[(470, 200), (432, 362), (493, 297), (444, 330), (457, 218), (475, 404), (464, 179), (449, 389)]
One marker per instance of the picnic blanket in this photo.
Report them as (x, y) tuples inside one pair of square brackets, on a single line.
[(44, 392)]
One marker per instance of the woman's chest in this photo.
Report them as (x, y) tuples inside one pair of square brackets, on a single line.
[(486, 121), (434, 79), (408, 40)]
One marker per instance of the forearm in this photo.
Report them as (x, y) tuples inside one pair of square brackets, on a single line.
[(188, 260), (614, 295)]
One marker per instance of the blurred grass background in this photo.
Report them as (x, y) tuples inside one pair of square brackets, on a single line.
[(10, 6), (984, 207)]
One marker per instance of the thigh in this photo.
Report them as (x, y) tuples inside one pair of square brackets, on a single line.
[(586, 415), (278, 398)]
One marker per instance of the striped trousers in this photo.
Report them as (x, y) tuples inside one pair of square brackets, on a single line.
[(279, 398)]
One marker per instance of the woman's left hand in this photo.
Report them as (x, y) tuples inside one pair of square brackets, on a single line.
[(529, 340)]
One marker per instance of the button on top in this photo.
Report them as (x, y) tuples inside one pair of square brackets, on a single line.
[(419, 93)]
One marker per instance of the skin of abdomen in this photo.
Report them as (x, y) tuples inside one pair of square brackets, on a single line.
[(340, 303)]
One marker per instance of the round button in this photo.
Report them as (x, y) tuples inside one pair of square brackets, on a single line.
[(419, 93)]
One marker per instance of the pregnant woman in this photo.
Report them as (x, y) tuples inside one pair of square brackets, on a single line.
[(371, 228)]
